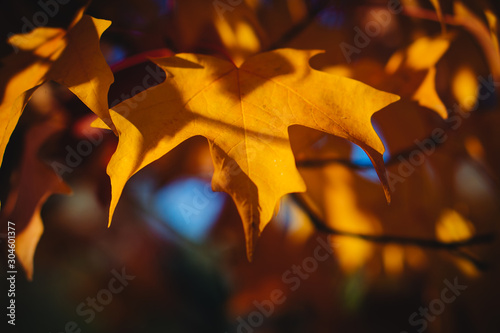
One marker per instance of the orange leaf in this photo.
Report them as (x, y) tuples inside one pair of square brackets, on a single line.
[(31, 187), (71, 58), (244, 112)]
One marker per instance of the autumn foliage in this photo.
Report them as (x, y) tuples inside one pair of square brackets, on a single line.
[(373, 123)]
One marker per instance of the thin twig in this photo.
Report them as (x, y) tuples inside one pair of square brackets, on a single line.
[(298, 28), (480, 265), (317, 163)]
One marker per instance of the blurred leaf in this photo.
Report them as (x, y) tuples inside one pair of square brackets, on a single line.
[(487, 36), (410, 72), (234, 23), (31, 185), (71, 58)]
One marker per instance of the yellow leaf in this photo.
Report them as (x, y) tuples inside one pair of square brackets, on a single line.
[(393, 256), (465, 88), (410, 73), (332, 189), (427, 96), (493, 25), (298, 229), (34, 183), (422, 54), (414, 73), (240, 39), (452, 226), (244, 112), (71, 58), (486, 36), (234, 23), (27, 240)]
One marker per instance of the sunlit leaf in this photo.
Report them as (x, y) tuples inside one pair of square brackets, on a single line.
[(71, 58), (244, 112)]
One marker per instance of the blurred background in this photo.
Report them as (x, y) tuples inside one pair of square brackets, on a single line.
[(337, 258)]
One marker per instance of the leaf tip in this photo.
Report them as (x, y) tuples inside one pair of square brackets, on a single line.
[(252, 237), (315, 52), (394, 98), (388, 195), (249, 255), (111, 213), (102, 124)]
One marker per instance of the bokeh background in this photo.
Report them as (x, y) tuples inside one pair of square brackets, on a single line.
[(184, 244)]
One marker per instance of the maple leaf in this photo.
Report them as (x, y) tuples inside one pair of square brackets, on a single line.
[(235, 25), (414, 70), (71, 58), (244, 112), (34, 182), (485, 34), (410, 72)]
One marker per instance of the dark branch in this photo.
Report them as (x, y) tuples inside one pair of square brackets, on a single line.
[(405, 154), (480, 265), (297, 29), (385, 239)]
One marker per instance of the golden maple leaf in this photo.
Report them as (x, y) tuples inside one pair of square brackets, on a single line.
[(235, 25), (486, 33), (410, 72), (244, 112), (71, 58)]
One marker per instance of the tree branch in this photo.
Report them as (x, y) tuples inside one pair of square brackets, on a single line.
[(405, 154), (454, 247), (295, 30)]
